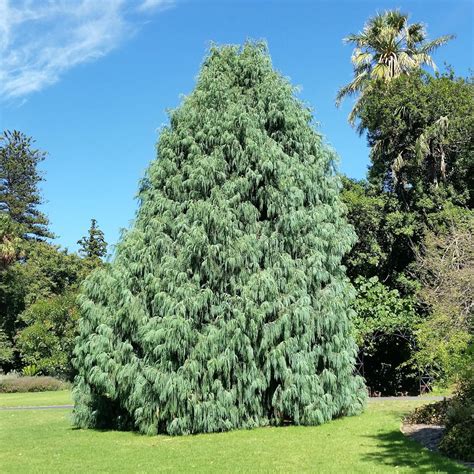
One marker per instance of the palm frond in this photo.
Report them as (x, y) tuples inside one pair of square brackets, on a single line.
[(358, 39), (415, 34), (395, 19), (424, 59), (356, 85), (381, 71), (407, 62), (435, 44), (360, 57), (387, 48)]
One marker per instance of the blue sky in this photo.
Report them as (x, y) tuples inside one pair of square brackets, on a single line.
[(91, 81)]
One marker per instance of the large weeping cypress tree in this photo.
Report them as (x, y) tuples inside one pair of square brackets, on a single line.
[(227, 305)]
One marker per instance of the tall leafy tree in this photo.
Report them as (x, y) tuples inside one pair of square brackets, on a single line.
[(419, 128), (94, 245), (386, 233), (446, 271), (385, 49), (19, 180), (226, 305), (420, 131), (44, 271), (47, 338)]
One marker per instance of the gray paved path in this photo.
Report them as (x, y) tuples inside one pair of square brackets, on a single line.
[(48, 407), (428, 398), (371, 400)]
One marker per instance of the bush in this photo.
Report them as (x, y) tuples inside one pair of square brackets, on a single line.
[(6, 349), (457, 414), (446, 272), (458, 440), (30, 370), (432, 414), (14, 383), (47, 341), (382, 314)]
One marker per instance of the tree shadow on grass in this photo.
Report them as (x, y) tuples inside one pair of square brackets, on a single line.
[(396, 450)]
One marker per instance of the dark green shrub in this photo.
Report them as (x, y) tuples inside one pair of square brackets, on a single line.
[(431, 414), (382, 314), (458, 442), (457, 414), (47, 341), (6, 349)]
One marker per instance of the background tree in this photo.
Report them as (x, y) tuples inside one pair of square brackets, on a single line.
[(387, 48), (419, 129), (10, 241), (403, 205), (47, 339), (6, 350), (19, 179), (94, 246), (386, 232), (226, 305), (36, 277), (385, 328), (446, 271), (43, 272)]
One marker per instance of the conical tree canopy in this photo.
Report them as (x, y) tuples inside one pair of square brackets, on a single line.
[(226, 305)]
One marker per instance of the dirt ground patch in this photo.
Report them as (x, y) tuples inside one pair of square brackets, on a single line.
[(427, 435)]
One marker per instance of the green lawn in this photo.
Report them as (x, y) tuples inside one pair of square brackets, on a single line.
[(44, 441), (61, 397)]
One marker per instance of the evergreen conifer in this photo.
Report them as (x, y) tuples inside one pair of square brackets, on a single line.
[(93, 246), (226, 305), (20, 195)]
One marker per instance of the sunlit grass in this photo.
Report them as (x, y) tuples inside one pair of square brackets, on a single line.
[(60, 397), (45, 441)]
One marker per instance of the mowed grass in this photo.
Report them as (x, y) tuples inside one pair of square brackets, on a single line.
[(45, 441), (61, 397)]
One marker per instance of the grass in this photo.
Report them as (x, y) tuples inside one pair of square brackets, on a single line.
[(44, 441), (442, 391), (60, 397)]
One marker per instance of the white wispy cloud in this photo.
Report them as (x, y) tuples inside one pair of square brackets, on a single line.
[(42, 39), (148, 5)]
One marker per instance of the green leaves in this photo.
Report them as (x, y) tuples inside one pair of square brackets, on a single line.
[(387, 48), (419, 131), (93, 247), (48, 338), (19, 180), (381, 310), (6, 349), (227, 297)]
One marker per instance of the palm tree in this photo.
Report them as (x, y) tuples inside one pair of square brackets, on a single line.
[(388, 47)]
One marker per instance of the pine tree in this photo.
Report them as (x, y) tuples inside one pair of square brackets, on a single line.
[(227, 305), (94, 245), (19, 179)]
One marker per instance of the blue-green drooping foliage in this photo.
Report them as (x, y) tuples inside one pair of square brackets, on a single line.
[(227, 305)]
